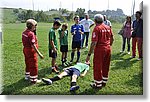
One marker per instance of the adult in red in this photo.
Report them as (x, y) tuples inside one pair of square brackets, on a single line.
[(102, 39), (30, 51)]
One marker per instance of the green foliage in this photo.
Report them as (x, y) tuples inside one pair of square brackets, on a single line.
[(125, 75)]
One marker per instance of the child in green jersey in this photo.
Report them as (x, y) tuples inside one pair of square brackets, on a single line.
[(63, 36), (53, 45), (73, 71)]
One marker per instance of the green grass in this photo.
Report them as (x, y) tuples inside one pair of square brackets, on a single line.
[(125, 76)]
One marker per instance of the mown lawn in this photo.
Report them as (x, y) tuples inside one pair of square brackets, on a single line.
[(125, 76)]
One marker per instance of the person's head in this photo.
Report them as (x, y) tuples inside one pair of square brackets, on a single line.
[(86, 16), (138, 14), (56, 24), (31, 24), (128, 18), (76, 19), (64, 26), (98, 18), (105, 18)]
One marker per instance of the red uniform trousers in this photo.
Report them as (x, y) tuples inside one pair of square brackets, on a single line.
[(139, 42), (102, 55), (31, 62)]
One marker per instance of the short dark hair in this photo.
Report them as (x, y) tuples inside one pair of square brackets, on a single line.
[(76, 17), (57, 22), (139, 12), (65, 25)]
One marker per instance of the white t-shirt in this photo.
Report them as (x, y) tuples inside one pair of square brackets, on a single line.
[(86, 24), (107, 22)]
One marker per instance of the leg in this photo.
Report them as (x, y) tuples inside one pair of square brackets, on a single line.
[(73, 83), (83, 38), (134, 40), (97, 67), (87, 38), (56, 78), (33, 68), (106, 65), (140, 47), (63, 58), (72, 54), (78, 54), (128, 42), (124, 43), (27, 69)]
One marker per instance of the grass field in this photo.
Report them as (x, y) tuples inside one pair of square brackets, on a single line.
[(125, 76)]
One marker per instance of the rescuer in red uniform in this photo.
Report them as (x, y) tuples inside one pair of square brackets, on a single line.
[(102, 39), (30, 51)]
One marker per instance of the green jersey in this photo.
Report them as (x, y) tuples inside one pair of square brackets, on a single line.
[(81, 67), (63, 37), (52, 36)]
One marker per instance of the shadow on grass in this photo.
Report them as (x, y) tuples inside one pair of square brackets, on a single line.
[(136, 81), (118, 61), (11, 89)]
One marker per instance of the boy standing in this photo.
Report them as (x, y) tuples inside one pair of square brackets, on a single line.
[(77, 31), (53, 45), (30, 51), (73, 71), (63, 36)]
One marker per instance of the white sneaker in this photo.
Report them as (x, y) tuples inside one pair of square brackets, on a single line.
[(122, 51), (38, 81), (139, 59), (128, 53)]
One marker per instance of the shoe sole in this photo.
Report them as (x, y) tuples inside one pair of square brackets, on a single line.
[(74, 88), (46, 82)]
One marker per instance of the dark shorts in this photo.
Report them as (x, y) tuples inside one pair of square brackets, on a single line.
[(76, 44), (64, 48), (72, 71), (52, 54)]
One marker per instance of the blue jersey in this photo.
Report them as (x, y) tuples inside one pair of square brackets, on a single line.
[(76, 28), (139, 25)]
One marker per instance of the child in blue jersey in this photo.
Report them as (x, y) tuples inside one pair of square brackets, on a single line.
[(73, 71), (76, 30)]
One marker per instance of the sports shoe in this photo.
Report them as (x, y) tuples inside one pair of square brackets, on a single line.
[(122, 51), (27, 78), (128, 53), (38, 81), (74, 88), (93, 85), (47, 81), (132, 56), (139, 59)]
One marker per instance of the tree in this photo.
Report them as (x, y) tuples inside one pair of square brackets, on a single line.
[(80, 12)]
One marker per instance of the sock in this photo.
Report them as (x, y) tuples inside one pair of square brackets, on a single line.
[(73, 84), (55, 78), (72, 56), (78, 56)]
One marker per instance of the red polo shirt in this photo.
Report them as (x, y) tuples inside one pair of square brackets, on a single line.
[(102, 34), (28, 38)]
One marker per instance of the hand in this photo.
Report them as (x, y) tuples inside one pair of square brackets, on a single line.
[(55, 50), (41, 56), (82, 75), (87, 58)]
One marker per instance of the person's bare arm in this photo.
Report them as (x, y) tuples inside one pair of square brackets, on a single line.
[(84, 73), (38, 52), (53, 46), (92, 47)]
